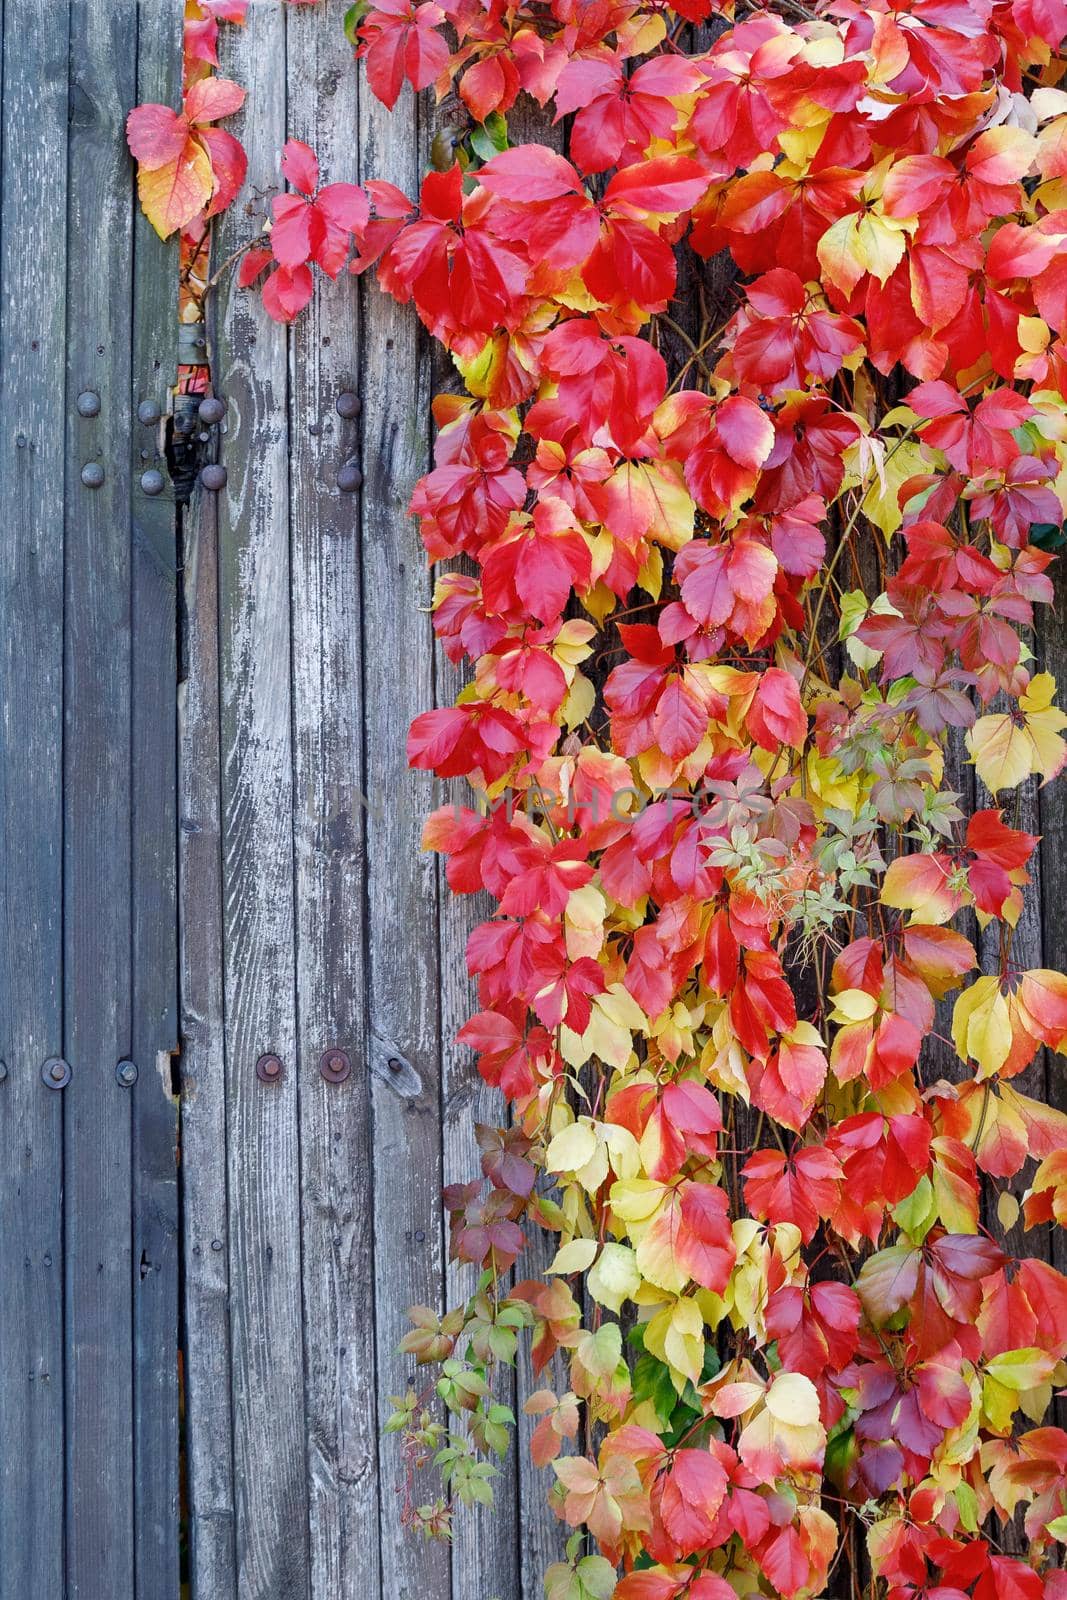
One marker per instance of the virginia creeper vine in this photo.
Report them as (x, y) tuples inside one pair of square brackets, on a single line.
[(731, 586)]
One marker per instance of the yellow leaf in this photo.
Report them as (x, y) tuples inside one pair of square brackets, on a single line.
[(853, 1005), (615, 1014), (636, 1200), (574, 1257), (981, 1026), (571, 1148), (676, 1336), (1007, 1210), (583, 922), (614, 1277), (171, 196), (881, 503), (580, 700), (999, 751), (794, 1399), (863, 241)]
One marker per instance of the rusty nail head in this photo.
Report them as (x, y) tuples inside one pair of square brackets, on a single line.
[(335, 1066), (152, 482), (269, 1069), (92, 475), (148, 413), (348, 404), (126, 1073), (55, 1073), (213, 476), (88, 403)]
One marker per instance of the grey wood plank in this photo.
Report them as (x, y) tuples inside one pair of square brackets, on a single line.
[(486, 1540), (541, 1536), (401, 884), (205, 1261), (259, 934), (1021, 810), (335, 1119), (97, 1123), (154, 886), (32, 381), (1052, 815)]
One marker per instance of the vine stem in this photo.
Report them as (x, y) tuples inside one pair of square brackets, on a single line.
[(235, 256)]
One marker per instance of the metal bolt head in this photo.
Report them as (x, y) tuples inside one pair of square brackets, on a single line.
[(335, 1066), (92, 475), (152, 482), (348, 404), (213, 476), (212, 410), (148, 413), (349, 478), (88, 403), (269, 1069), (55, 1073), (126, 1074)]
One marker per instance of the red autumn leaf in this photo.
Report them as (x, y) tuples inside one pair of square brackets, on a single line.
[(401, 42), (776, 715), (176, 154), (705, 1246), (799, 1189), (315, 224), (691, 1491)]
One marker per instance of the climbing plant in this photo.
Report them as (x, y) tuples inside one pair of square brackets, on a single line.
[(732, 587)]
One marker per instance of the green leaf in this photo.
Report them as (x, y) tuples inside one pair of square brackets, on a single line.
[(490, 137), (592, 1578), (353, 17)]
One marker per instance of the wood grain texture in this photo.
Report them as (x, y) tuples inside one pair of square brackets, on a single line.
[(257, 834), (205, 1211), (541, 1535), (335, 1119), (1051, 1242), (153, 821), (486, 1543), (97, 792), (32, 384), (401, 928)]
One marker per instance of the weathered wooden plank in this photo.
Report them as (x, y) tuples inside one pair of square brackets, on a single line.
[(335, 1119), (259, 935), (485, 1543), (32, 381), (205, 1262), (539, 1535), (1052, 817), (96, 780), (403, 1000), (1026, 952), (154, 886)]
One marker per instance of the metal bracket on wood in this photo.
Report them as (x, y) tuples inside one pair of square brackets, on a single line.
[(389, 1063)]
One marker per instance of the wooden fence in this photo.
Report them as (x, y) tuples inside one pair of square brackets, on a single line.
[(312, 930), (312, 924)]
